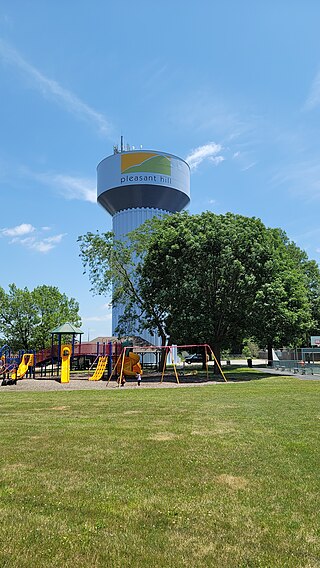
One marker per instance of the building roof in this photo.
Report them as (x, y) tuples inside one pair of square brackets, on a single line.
[(67, 328), (135, 340)]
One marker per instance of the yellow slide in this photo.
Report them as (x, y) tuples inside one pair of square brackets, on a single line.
[(26, 362), (101, 367), (66, 351), (131, 365)]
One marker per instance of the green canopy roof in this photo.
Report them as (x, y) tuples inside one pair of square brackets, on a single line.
[(67, 328)]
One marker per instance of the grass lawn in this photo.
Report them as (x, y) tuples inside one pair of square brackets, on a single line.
[(222, 476)]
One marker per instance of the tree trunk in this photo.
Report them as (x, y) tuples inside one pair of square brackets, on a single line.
[(204, 359), (163, 351), (270, 355)]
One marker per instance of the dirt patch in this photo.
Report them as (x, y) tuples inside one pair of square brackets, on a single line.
[(217, 428), (232, 481), (14, 467), (59, 408), (164, 436), (205, 433)]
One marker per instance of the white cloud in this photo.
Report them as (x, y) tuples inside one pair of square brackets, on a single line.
[(248, 167), (19, 230), (217, 160), (76, 188), (55, 239), (49, 87), (34, 240), (105, 317), (38, 244), (34, 244), (70, 187), (204, 152)]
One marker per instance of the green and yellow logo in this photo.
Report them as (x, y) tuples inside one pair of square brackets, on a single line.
[(145, 162)]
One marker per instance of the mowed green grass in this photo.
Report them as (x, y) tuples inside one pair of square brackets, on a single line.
[(219, 475)]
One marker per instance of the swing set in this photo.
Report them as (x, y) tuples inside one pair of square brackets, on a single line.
[(128, 362)]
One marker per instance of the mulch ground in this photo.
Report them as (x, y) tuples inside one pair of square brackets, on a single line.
[(77, 383)]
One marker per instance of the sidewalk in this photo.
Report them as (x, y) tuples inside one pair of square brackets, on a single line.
[(261, 365)]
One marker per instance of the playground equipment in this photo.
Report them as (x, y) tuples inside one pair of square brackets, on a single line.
[(127, 365), (2, 364), (101, 367), (8, 366), (26, 362), (130, 365), (66, 351), (8, 371), (48, 361), (207, 351), (122, 361)]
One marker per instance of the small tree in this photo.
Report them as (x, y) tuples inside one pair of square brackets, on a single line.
[(250, 349), (26, 317), (18, 317), (283, 305)]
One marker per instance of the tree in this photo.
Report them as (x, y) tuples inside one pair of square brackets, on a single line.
[(18, 317), (222, 278), (26, 317), (112, 267), (206, 278), (285, 303), (205, 271), (53, 309)]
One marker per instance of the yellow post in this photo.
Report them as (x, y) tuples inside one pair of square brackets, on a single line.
[(207, 366), (122, 365), (114, 368), (215, 359), (174, 366), (65, 354), (164, 363)]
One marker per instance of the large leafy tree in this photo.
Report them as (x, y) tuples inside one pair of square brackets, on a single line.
[(207, 279), (222, 277), (205, 271), (26, 317)]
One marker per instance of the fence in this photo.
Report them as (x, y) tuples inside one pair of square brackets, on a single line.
[(303, 360)]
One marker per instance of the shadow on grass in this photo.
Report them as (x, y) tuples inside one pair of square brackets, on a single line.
[(242, 374), (232, 374)]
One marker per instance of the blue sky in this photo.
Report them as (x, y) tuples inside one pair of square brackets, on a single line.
[(233, 87)]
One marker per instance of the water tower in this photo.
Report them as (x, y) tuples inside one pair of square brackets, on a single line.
[(136, 185)]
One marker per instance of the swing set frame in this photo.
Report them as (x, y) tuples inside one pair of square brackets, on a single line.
[(168, 350)]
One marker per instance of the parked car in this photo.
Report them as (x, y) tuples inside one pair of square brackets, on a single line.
[(195, 358)]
